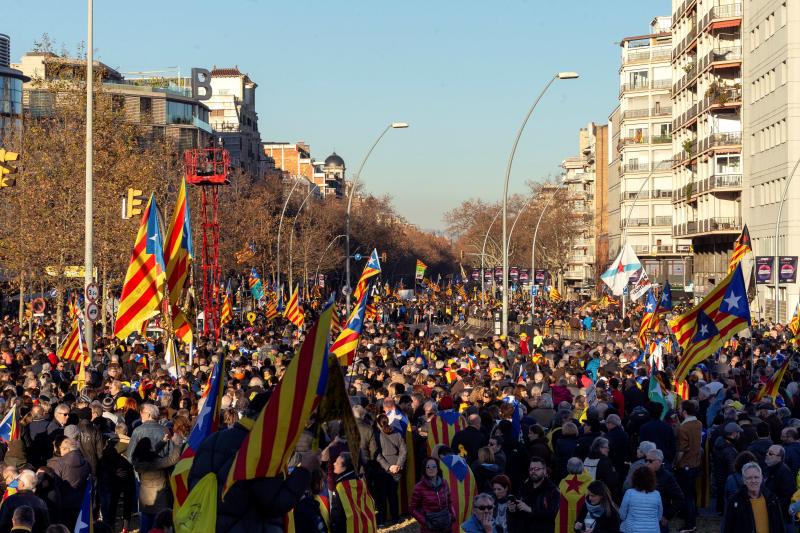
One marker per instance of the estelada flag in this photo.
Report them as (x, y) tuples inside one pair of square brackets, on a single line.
[(9, 428), (372, 268), (269, 443), (408, 477), (741, 247), (143, 289), (462, 485), (649, 318), (178, 255), (73, 348), (226, 313), (772, 387), (702, 331), (207, 422), (344, 347), (293, 313), (572, 490), (794, 325), (443, 428), (358, 505)]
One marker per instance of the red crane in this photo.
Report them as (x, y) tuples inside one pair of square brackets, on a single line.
[(208, 168)]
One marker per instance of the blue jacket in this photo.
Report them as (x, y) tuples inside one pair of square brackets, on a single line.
[(473, 525), (640, 512)]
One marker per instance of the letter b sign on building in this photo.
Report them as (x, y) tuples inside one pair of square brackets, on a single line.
[(201, 79)]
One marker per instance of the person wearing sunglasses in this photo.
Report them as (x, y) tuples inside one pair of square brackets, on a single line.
[(482, 519)]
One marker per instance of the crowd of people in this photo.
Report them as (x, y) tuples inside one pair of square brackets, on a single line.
[(555, 432)]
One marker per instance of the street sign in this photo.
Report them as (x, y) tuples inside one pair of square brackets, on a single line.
[(92, 312), (92, 293), (357, 257)]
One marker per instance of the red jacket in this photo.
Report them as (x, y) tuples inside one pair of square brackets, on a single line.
[(427, 499)]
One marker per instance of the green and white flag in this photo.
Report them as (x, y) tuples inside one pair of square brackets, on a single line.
[(656, 392)]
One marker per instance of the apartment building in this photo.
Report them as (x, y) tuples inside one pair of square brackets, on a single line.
[(642, 131), (707, 133), (771, 93)]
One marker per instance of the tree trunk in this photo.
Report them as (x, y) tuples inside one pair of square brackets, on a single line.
[(104, 304), (59, 305), (21, 315)]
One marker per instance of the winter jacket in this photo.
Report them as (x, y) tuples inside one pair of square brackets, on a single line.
[(472, 439), (484, 472), (38, 443), (91, 442), (724, 457), (155, 493), (759, 447), (72, 470), (393, 452), (252, 506), (600, 467), (40, 512), (147, 430), (607, 523), (428, 499), (338, 515), (672, 498), (564, 449), (619, 449), (543, 501), (778, 479), (660, 433), (640, 512), (792, 458), (739, 518)]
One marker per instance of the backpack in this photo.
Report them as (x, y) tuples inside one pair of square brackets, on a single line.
[(590, 465)]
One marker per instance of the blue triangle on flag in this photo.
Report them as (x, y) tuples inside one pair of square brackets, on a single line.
[(735, 300), (456, 465), (705, 327)]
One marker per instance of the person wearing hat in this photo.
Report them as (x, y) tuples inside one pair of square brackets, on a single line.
[(724, 456)]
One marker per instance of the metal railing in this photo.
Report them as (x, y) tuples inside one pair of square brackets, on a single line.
[(731, 138), (636, 167), (635, 113), (683, 248), (666, 164), (635, 222), (630, 195), (661, 139), (662, 221), (662, 193), (641, 248), (639, 139), (664, 249)]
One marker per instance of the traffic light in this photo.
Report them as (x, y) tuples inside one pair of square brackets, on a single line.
[(133, 203), (6, 168)]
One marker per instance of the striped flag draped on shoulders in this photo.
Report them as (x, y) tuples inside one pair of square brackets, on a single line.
[(269, 443), (143, 289), (443, 428), (462, 485), (358, 505), (74, 348)]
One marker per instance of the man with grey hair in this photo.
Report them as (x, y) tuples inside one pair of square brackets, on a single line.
[(574, 466), (753, 508), (641, 456), (778, 479), (672, 498), (149, 429), (482, 519), (25, 497)]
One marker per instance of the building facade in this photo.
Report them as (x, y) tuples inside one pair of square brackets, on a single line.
[(598, 155), (168, 110), (644, 163), (771, 93), (11, 81), (707, 133), (291, 158), (234, 118)]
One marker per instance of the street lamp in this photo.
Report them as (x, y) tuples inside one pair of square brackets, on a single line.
[(483, 253), (280, 225), (777, 229), (88, 250), (291, 233), (557, 76), (533, 243), (347, 289)]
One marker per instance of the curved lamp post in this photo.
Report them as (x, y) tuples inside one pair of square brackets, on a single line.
[(483, 253), (291, 233), (777, 229), (557, 76), (280, 225), (316, 272), (347, 289), (533, 243)]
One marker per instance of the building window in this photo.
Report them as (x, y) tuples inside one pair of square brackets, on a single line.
[(178, 113), (145, 105)]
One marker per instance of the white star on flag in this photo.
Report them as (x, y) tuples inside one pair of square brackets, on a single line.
[(650, 308), (704, 330), (733, 301)]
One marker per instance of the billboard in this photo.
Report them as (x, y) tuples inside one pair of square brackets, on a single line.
[(764, 267), (787, 269)]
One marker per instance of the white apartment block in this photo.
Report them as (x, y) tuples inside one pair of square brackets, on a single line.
[(233, 117), (771, 119), (640, 192), (707, 132), (579, 180)]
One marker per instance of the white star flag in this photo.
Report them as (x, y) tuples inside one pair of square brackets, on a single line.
[(616, 277)]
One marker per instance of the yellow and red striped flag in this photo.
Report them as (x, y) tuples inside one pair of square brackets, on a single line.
[(740, 248), (358, 505), (178, 255), (293, 312), (226, 313), (372, 312), (372, 268), (344, 348), (572, 490), (269, 443), (463, 487), (443, 428), (73, 348), (721, 314), (794, 324), (772, 387), (143, 289), (649, 318), (271, 309), (336, 323)]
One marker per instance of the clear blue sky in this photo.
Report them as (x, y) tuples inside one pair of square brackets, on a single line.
[(461, 72)]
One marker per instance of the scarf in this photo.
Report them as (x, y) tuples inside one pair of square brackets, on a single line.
[(595, 511)]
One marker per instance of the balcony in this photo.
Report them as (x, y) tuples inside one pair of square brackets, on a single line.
[(666, 164), (709, 225), (664, 249), (721, 56), (683, 248), (662, 193), (661, 111), (630, 168), (638, 139), (635, 222), (662, 221), (641, 248), (717, 140), (661, 139), (720, 182), (645, 54), (726, 11), (635, 113), (630, 87), (630, 195), (662, 84)]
